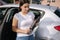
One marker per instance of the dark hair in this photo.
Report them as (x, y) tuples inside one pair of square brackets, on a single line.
[(23, 2), (16, 0)]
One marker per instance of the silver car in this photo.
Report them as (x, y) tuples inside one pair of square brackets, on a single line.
[(48, 27)]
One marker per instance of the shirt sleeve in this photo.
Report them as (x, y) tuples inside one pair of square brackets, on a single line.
[(33, 16), (16, 16)]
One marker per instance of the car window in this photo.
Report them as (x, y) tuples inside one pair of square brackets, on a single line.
[(42, 13), (57, 12), (36, 12), (2, 14), (11, 13)]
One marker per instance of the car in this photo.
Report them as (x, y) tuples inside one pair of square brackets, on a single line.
[(48, 26)]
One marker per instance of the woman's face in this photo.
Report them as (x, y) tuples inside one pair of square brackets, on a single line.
[(25, 7)]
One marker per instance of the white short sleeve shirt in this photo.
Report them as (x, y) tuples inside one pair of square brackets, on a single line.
[(24, 21)]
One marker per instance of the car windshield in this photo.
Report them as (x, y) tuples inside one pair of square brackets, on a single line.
[(2, 14), (57, 12)]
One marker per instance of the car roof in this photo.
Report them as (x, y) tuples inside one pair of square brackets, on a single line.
[(34, 6), (39, 6), (9, 5)]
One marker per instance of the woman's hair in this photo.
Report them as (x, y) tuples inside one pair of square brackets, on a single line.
[(22, 2), (16, 0)]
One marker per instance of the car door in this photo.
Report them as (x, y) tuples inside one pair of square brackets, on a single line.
[(7, 33), (2, 16)]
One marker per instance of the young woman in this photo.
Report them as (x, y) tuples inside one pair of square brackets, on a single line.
[(22, 22)]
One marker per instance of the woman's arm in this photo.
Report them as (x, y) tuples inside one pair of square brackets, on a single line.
[(15, 28)]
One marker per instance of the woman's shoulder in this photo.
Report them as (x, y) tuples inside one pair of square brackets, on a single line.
[(31, 13), (16, 15)]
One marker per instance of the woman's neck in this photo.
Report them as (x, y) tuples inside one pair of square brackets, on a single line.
[(24, 13)]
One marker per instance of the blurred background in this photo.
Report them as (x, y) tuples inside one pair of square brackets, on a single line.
[(42, 2)]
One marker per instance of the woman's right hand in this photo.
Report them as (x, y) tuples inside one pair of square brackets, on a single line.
[(27, 31)]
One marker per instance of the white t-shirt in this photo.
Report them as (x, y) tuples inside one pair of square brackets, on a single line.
[(24, 22)]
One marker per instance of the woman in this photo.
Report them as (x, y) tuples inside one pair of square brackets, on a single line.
[(22, 22)]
